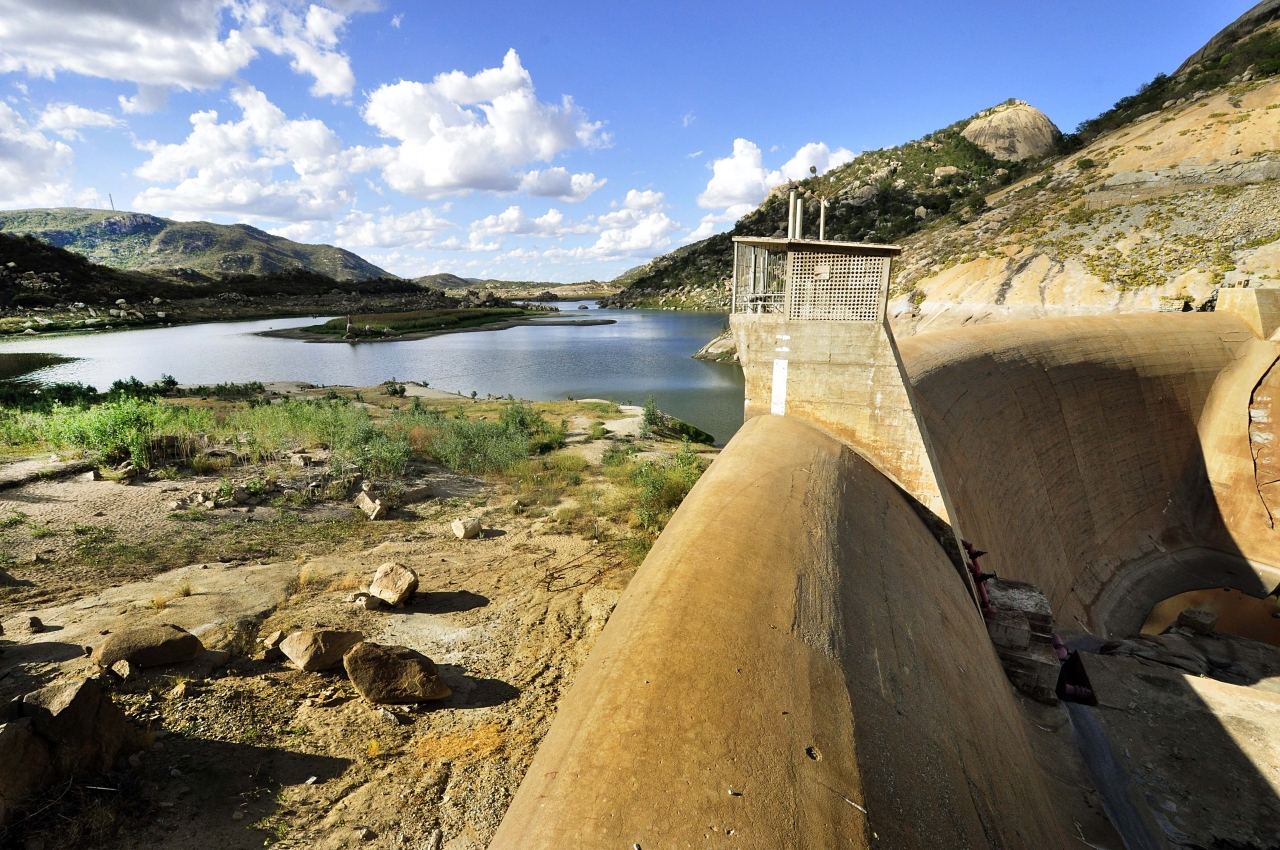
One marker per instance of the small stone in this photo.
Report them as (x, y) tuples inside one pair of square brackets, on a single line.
[(126, 670), (182, 690), (366, 602), (237, 815), (1198, 620), (91, 475), (173, 771), (34, 625), (364, 833), (393, 583), (466, 529), (374, 509), (273, 640), (135, 761)]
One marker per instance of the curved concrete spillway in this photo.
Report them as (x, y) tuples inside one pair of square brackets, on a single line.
[(1107, 459), (797, 664)]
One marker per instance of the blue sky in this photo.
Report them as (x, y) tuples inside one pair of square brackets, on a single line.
[(523, 141)]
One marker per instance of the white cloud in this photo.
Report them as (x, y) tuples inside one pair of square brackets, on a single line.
[(815, 154), (414, 229), (162, 44), (66, 118), (460, 133), (694, 155), (513, 222), (148, 99), (707, 226), (558, 183), (688, 119), (396, 20), (33, 168), (639, 229), (229, 168), (740, 181)]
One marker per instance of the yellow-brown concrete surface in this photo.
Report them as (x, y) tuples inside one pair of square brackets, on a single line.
[(797, 664), (1107, 459)]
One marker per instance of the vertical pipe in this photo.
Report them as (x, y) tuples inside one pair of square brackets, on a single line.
[(733, 292), (800, 219), (822, 222), (791, 216)]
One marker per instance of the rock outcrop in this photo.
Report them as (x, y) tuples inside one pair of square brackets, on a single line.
[(148, 646), (1014, 132), (56, 733), (318, 650), (393, 675)]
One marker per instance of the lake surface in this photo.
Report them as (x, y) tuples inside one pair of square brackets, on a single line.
[(647, 351)]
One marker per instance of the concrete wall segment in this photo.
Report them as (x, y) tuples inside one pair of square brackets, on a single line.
[(796, 665), (1075, 447)]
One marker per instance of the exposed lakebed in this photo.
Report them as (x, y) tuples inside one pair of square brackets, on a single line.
[(641, 352)]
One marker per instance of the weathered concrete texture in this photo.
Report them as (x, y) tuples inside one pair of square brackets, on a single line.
[(846, 378), (1258, 308), (1105, 458), (796, 664)]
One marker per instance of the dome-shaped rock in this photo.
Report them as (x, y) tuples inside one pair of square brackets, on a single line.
[(1013, 132)]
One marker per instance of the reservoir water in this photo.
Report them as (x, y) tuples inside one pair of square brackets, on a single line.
[(645, 352)]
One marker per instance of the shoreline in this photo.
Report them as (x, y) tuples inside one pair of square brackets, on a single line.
[(304, 335)]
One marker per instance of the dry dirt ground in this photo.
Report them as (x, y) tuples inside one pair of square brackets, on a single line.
[(256, 752)]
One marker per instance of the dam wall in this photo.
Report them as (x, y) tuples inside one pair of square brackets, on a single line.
[(796, 664), (1107, 459)]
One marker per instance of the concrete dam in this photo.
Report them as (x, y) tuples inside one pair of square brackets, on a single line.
[(811, 657)]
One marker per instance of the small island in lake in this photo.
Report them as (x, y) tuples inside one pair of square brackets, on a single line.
[(419, 324)]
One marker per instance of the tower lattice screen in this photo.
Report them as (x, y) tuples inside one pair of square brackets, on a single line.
[(837, 287)]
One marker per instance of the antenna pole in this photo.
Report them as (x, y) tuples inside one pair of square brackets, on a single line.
[(112, 200)]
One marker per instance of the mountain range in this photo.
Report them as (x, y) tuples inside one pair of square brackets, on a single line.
[(137, 242)]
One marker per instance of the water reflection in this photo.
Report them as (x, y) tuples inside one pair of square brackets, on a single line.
[(646, 351)]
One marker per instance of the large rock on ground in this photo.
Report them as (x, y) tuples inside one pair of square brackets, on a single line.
[(84, 729), (26, 765), (393, 675), (393, 583), (149, 646), (318, 650), (1013, 132)]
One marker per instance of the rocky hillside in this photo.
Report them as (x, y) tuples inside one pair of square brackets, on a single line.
[(881, 196), (1151, 205), (1170, 195), (137, 241)]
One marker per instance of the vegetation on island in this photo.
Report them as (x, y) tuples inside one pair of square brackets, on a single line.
[(422, 321)]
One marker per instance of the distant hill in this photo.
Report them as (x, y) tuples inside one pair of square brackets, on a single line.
[(137, 241), (456, 285), (881, 196), (34, 273)]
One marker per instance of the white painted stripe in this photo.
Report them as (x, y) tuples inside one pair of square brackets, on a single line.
[(779, 405)]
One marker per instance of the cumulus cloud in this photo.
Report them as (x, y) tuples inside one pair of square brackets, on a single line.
[(230, 167), (414, 229), (741, 177), (558, 183), (460, 133), (640, 228), (513, 222), (66, 119), (33, 168), (163, 44), (708, 226)]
